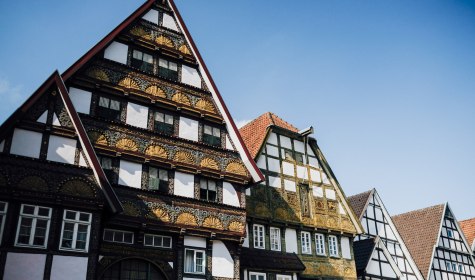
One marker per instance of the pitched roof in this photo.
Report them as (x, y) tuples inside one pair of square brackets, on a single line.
[(272, 260), (468, 228), (358, 202), (420, 230), (363, 250), (255, 132)]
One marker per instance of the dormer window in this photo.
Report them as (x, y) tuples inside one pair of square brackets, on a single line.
[(211, 135), (142, 61), (158, 179), (108, 108), (208, 190), (168, 69), (163, 123)]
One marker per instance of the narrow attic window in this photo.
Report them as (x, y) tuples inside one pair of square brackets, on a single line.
[(158, 179), (168, 69), (163, 123), (208, 190), (142, 61), (211, 135), (108, 108)]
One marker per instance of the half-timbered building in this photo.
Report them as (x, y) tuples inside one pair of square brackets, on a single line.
[(468, 228), (436, 242), (126, 166), (299, 223), (379, 227)]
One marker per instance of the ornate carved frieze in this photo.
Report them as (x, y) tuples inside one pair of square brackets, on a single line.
[(330, 268)]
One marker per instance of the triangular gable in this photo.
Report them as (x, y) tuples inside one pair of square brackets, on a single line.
[(231, 127), (468, 227), (372, 258), (56, 80)]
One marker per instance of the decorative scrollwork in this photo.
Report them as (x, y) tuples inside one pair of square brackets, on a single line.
[(209, 163), (181, 98), (184, 157), (160, 214), (98, 74), (77, 188), (187, 219), (156, 91), (162, 40), (98, 138), (184, 49), (33, 183), (236, 168), (129, 83), (212, 222), (127, 144), (205, 105), (156, 151), (236, 226)]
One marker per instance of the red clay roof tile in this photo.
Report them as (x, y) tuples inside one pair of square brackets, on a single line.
[(468, 228)]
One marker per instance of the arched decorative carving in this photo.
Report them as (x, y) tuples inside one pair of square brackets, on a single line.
[(127, 144), (156, 151), (33, 183), (98, 138), (236, 226), (129, 83), (77, 187), (236, 168), (163, 40), (156, 91), (212, 222), (184, 49), (181, 98), (160, 214), (98, 74), (205, 105), (138, 31), (184, 157), (261, 210), (130, 209), (281, 213), (187, 219), (209, 163)]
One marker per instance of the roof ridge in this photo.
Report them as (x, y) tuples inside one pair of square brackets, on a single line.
[(419, 210)]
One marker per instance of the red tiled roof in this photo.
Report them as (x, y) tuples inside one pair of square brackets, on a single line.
[(420, 229), (254, 132), (358, 202), (468, 228)]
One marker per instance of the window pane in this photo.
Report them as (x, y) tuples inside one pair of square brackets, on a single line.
[(70, 215), (199, 262), (106, 163), (128, 237), (25, 230), (208, 130), (160, 117), (189, 261), (216, 132), (104, 102), (163, 175), (203, 184), (167, 242), (172, 66), (148, 58), (3, 205), (153, 172), (115, 105), (148, 240), (163, 63), (137, 55), (84, 217), (168, 119), (43, 212), (211, 185)]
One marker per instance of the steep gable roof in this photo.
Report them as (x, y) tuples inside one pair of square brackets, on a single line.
[(468, 228), (359, 201), (420, 231), (364, 250)]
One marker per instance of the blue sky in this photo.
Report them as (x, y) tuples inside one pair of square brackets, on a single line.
[(388, 85)]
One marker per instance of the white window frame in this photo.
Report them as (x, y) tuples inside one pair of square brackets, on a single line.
[(283, 277), (3, 214), (320, 244), (258, 231), (120, 231), (333, 246), (35, 217), (306, 242), (76, 223), (153, 236), (257, 274), (275, 238), (203, 264)]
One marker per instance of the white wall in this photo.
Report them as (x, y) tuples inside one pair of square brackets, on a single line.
[(285, 142), (137, 115), (130, 174), (330, 194), (56, 121), (317, 191), (194, 241), (61, 149), (184, 184), (222, 262), (299, 146), (230, 196), (272, 151), (26, 143), (190, 76), (302, 172), (71, 268), (24, 266), (315, 175), (81, 100), (43, 118), (82, 161), (272, 138), (273, 165), (275, 182), (169, 22), (290, 186), (291, 240), (151, 16), (117, 52), (188, 129), (261, 162), (288, 168), (229, 146), (345, 248)]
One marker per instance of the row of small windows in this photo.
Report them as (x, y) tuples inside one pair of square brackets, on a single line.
[(146, 63), (263, 276), (126, 237)]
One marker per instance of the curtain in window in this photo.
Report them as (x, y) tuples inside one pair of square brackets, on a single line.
[(189, 261)]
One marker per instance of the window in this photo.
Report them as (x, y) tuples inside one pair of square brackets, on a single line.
[(454, 267), (158, 179), (298, 158), (208, 190), (132, 269), (157, 241), (320, 244), (258, 231), (211, 135), (275, 239), (450, 233), (106, 164), (306, 242), (333, 245), (108, 108), (461, 268), (75, 232), (163, 123), (168, 69), (3, 216), (142, 61), (257, 276), (284, 277), (33, 226), (448, 265), (118, 236), (194, 261)]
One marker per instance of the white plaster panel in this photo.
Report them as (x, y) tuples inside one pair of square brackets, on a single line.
[(151, 16), (171, 264), (43, 118), (67, 267), (325, 178), (290, 186), (56, 121), (81, 100), (275, 182), (313, 162), (229, 145), (261, 162), (373, 267), (288, 168), (194, 241), (245, 243), (222, 262), (188, 129), (285, 142), (317, 191), (230, 196), (290, 240), (130, 174), (302, 172), (190, 76), (24, 266), (184, 184), (345, 248), (387, 270), (342, 210), (137, 115), (117, 52), (272, 139), (330, 194), (2, 146), (169, 22), (248, 191), (272, 151), (315, 175), (82, 161), (26, 143), (273, 164), (61, 149), (299, 146)]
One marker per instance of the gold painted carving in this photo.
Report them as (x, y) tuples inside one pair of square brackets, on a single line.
[(236, 168), (33, 183), (160, 214), (184, 157), (181, 98), (205, 105), (129, 83), (186, 219), (156, 151), (98, 138), (236, 226), (212, 222), (184, 49), (261, 210), (156, 91), (98, 74), (162, 40), (127, 144), (209, 163), (281, 213), (138, 31), (130, 209), (77, 188)]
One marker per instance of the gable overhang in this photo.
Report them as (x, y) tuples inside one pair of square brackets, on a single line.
[(388, 256), (459, 229)]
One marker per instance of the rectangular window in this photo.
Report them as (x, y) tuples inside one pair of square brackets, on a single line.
[(163, 123), (158, 179), (33, 226), (118, 236), (106, 164), (320, 244), (450, 233), (275, 239), (208, 190), (448, 266), (109, 108), (257, 276), (258, 231), (284, 277), (3, 217), (195, 261), (333, 245), (168, 69), (211, 135), (75, 231), (142, 61), (298, 158), (159, 241), (306, 242), (461, 268)]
